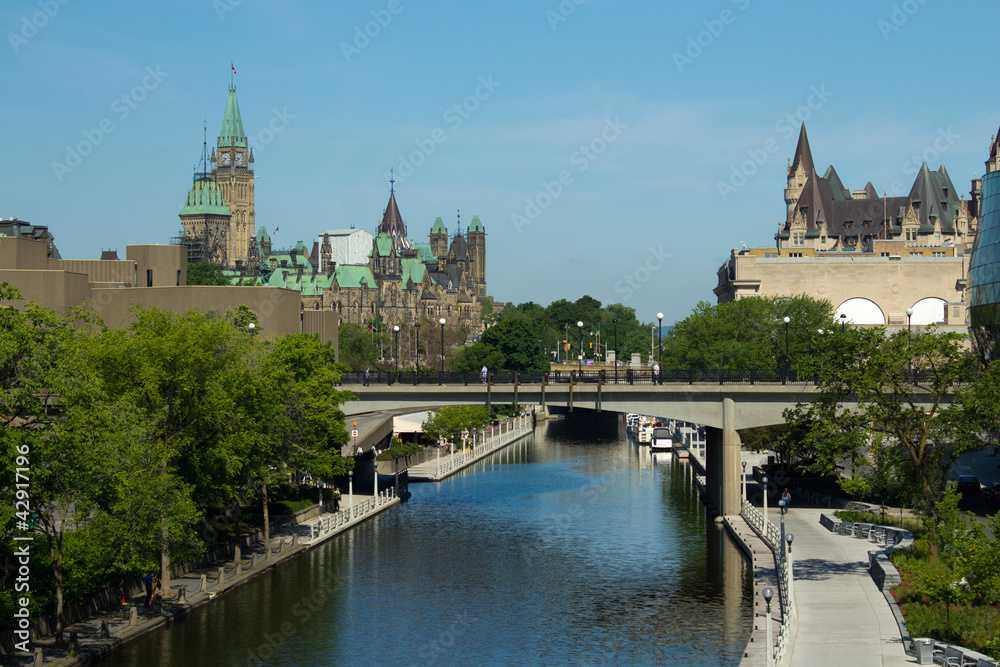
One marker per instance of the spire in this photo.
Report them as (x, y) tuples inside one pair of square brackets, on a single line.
[(803, 155), (231, 133), (392, 180), (393, 225)]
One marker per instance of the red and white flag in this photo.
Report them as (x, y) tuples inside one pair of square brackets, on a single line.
[(234, 67), (276, 229)]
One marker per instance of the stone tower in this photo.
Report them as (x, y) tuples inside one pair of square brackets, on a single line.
[(206, 220), (439, 238), (232, 170), (798, 171), (477, 255)]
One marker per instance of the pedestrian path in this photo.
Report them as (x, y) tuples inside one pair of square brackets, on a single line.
[(843, 617), (485, 442)]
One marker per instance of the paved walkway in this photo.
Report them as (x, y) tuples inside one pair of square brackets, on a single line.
[(843, 618)]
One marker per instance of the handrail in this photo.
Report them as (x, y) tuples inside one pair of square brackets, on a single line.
[(771, 537), (496, 439)]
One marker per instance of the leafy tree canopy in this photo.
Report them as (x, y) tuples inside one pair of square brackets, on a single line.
[(203, 273)]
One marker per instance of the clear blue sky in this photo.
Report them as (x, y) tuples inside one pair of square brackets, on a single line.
[(667, 119)]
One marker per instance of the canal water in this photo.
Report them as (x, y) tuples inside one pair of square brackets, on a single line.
[(571, 547)]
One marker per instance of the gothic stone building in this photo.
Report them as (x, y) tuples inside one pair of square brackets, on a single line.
[(404, 281), (872, 257)]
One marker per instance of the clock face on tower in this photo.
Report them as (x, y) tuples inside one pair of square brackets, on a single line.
[(225, 159), (239, 159)]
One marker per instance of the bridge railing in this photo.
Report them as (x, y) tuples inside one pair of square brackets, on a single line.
[(623, 376)]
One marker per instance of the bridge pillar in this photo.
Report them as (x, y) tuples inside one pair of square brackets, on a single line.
[(722, 461)]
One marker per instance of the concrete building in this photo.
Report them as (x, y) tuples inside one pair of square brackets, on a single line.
[(872, 257), (151, 275)]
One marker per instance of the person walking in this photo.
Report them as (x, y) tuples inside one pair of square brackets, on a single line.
[(656, 373), (366, 377), (483, 374), (787, 497), (148, 582)]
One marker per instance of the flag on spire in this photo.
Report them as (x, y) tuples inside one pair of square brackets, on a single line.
[(233, 66)]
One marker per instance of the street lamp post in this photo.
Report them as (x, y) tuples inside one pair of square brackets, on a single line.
[(416, 326), (350, 493), (579, 326), (843, 320), (395, 354), (743, 480), (441, 378), (768, 593), (791, 579), (659, 346), (909, 313), (784, 373), (763, 480), (615, 321)]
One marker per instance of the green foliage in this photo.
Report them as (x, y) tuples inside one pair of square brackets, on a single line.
[(399, 450), (869, 412), (132, 434), (513, 340), (204, 273), (357, 347), (748, 333), (449, 421), (855, 488)]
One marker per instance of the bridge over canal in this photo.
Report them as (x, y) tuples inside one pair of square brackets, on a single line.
[(723, 401)]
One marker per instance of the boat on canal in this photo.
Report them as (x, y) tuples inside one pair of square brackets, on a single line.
[(661, 440)]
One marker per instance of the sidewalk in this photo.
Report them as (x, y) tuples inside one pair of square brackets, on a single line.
[(289, 543), (843, 618)]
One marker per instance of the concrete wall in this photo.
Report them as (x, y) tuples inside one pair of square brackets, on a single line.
[(277, 308), (103, 273), (162, 262), (57, 290), (893, 284), (323, 322), (18, 253)]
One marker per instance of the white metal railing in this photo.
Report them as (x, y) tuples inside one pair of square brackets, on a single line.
[(508, 430), (771, 536), (333, 521)]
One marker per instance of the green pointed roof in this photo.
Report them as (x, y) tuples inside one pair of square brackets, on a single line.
[(476, 225), (205, 198), (439, 227), (231, 133), (383, 242), (413, 269)]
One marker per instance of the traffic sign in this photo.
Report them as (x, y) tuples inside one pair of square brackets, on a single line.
[(354, 433)]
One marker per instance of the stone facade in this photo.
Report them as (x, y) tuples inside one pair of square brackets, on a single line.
[(872, 257)]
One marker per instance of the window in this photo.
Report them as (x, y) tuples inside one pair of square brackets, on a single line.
[(938, 254), (149, 277), (885, 254), (178, 277), (795, 254)]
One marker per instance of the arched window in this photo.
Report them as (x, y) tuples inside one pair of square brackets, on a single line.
[(928, 311), (860, 311)]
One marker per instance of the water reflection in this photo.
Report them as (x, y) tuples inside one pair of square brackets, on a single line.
[(573, 547)]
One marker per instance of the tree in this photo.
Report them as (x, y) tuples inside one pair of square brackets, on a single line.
[(203, 273), (516, 341), (984, 565), (930, 421), (449, 421), (357, 347), (748, 333), (289, 411), (181, 372)]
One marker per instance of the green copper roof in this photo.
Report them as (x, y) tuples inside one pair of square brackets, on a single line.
[(413, 269), (476, 225), (205, 198), (424, 252), (383, 242), (231, 133), (352, 275), (439, 227)]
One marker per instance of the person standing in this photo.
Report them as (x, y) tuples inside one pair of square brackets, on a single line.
[(148, 582), (656, 373), (483, 374), (366, 377)]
